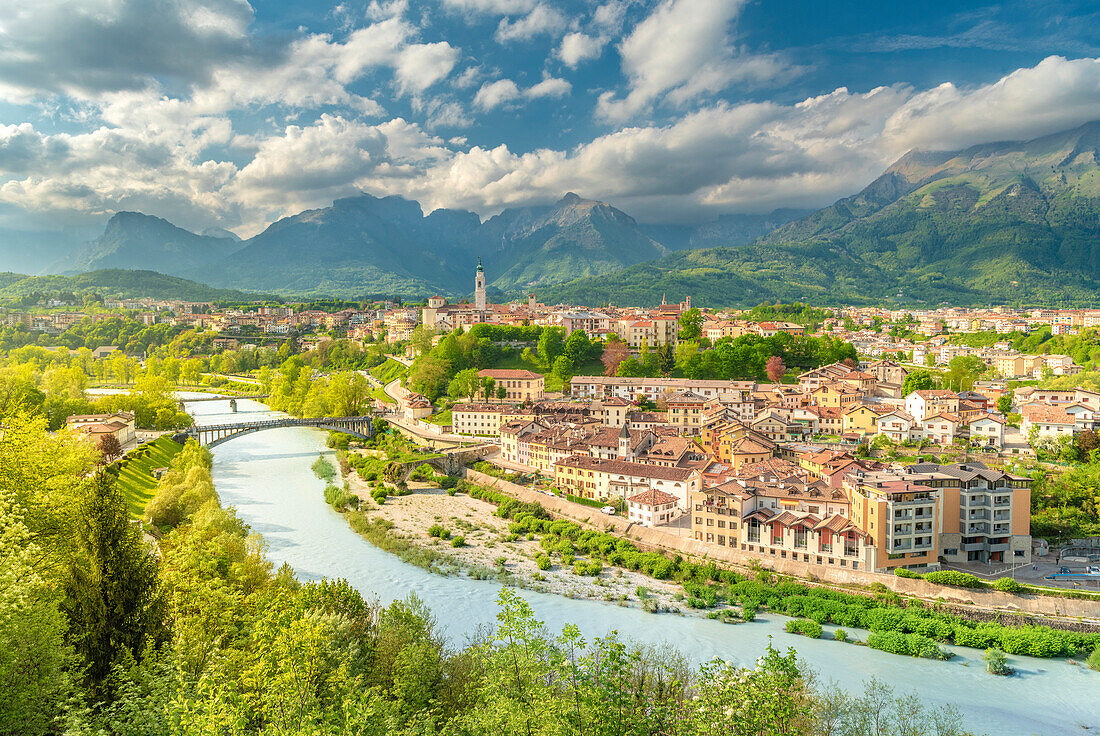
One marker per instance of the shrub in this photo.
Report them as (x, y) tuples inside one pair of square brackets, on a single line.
[(323, 469), (840, 635), (1008, 585), (459, 541), (902, 572), (436, 530), (1094, 659), (996, 663), (953, 577), (543, 561), (340, 499), (913, 645), (379, 495), (805, 627)]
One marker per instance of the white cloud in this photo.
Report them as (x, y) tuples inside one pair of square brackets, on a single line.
[(503, 91), (490, 7), (82, 49), (681, 51), (419, 66), (550, 87), (542, 19), (578, 47), (494, 94), (1046, 98), (152, 152)]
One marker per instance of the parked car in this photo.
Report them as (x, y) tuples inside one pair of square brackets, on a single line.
[(609, 510)]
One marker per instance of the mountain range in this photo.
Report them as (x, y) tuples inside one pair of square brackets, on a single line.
[(1013, 222), (1002, 222), (371, 245)]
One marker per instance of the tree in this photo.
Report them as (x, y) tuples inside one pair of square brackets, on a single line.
[(488, 387), (776, 369), (666, 361), (614, 353), (502, 392), (691, 324), (35, 661), (112, 595), (550, 345), (850, 363), (563, 367), (1004, 404), (578, 347), (110, 447), (919, 380), (465, 384)]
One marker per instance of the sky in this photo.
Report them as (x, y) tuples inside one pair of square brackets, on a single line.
[(231, 114)]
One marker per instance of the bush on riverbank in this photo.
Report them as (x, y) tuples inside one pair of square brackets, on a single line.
[(323, 469), (913, 645), (996, 663), (339, 498), (954, 578), (805, 627)]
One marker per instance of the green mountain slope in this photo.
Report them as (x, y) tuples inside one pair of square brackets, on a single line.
[(117, 283), (136, 240), (997, 223)]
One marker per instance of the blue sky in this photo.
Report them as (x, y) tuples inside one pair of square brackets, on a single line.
[(225, 113)]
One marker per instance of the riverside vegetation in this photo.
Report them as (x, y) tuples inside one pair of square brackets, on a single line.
[(102, 635), (897, 625)]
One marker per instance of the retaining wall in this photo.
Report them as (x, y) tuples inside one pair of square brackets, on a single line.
[(659, 540)]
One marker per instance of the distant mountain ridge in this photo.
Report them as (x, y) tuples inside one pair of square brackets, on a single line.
[(996, 223), (383, 245)]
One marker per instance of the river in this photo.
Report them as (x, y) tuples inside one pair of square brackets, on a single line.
[(267, 477)]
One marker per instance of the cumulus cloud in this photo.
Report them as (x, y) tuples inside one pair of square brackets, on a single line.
[(503, 91), (81, 49), (181, 158), (490, 7), (495, 94), (542, 20), (577, 48), (681, 51)]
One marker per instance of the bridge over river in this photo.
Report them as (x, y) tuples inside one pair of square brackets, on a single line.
[(213, 435)]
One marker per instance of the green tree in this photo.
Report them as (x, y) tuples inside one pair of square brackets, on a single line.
[(919, 380), (35, 662), (550, 345), (1004, 404), (465, 384), (691, 324), (112, 597), (563, 367)]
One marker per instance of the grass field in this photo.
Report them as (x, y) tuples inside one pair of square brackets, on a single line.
[(389, 370), (136, 477)]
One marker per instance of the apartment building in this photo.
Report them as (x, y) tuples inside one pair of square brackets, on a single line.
[(602, 387), (920, 404), (985, 514), (901, 517), (651, 508), (597, 478), (521, 385), (686, 410), (781, 517)]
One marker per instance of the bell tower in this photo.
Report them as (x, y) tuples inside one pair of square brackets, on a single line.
[(479, 287)]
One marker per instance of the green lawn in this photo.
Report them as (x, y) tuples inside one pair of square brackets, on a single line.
[(442, 418), (388, 371), (136, 480)]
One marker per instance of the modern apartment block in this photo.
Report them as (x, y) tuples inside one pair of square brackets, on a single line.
[(900, 515), (986, 514)]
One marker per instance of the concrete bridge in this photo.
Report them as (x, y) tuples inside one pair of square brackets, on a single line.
[(213, 435), (224, 398)]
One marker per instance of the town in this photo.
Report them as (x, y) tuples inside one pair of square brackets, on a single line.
[(858, 464)]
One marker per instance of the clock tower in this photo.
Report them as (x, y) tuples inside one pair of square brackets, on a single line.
[(479, 287)]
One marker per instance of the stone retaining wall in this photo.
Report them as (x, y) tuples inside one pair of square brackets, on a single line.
[(658, 540)]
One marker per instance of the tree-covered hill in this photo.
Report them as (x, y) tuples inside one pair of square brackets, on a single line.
[(118, 283)]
